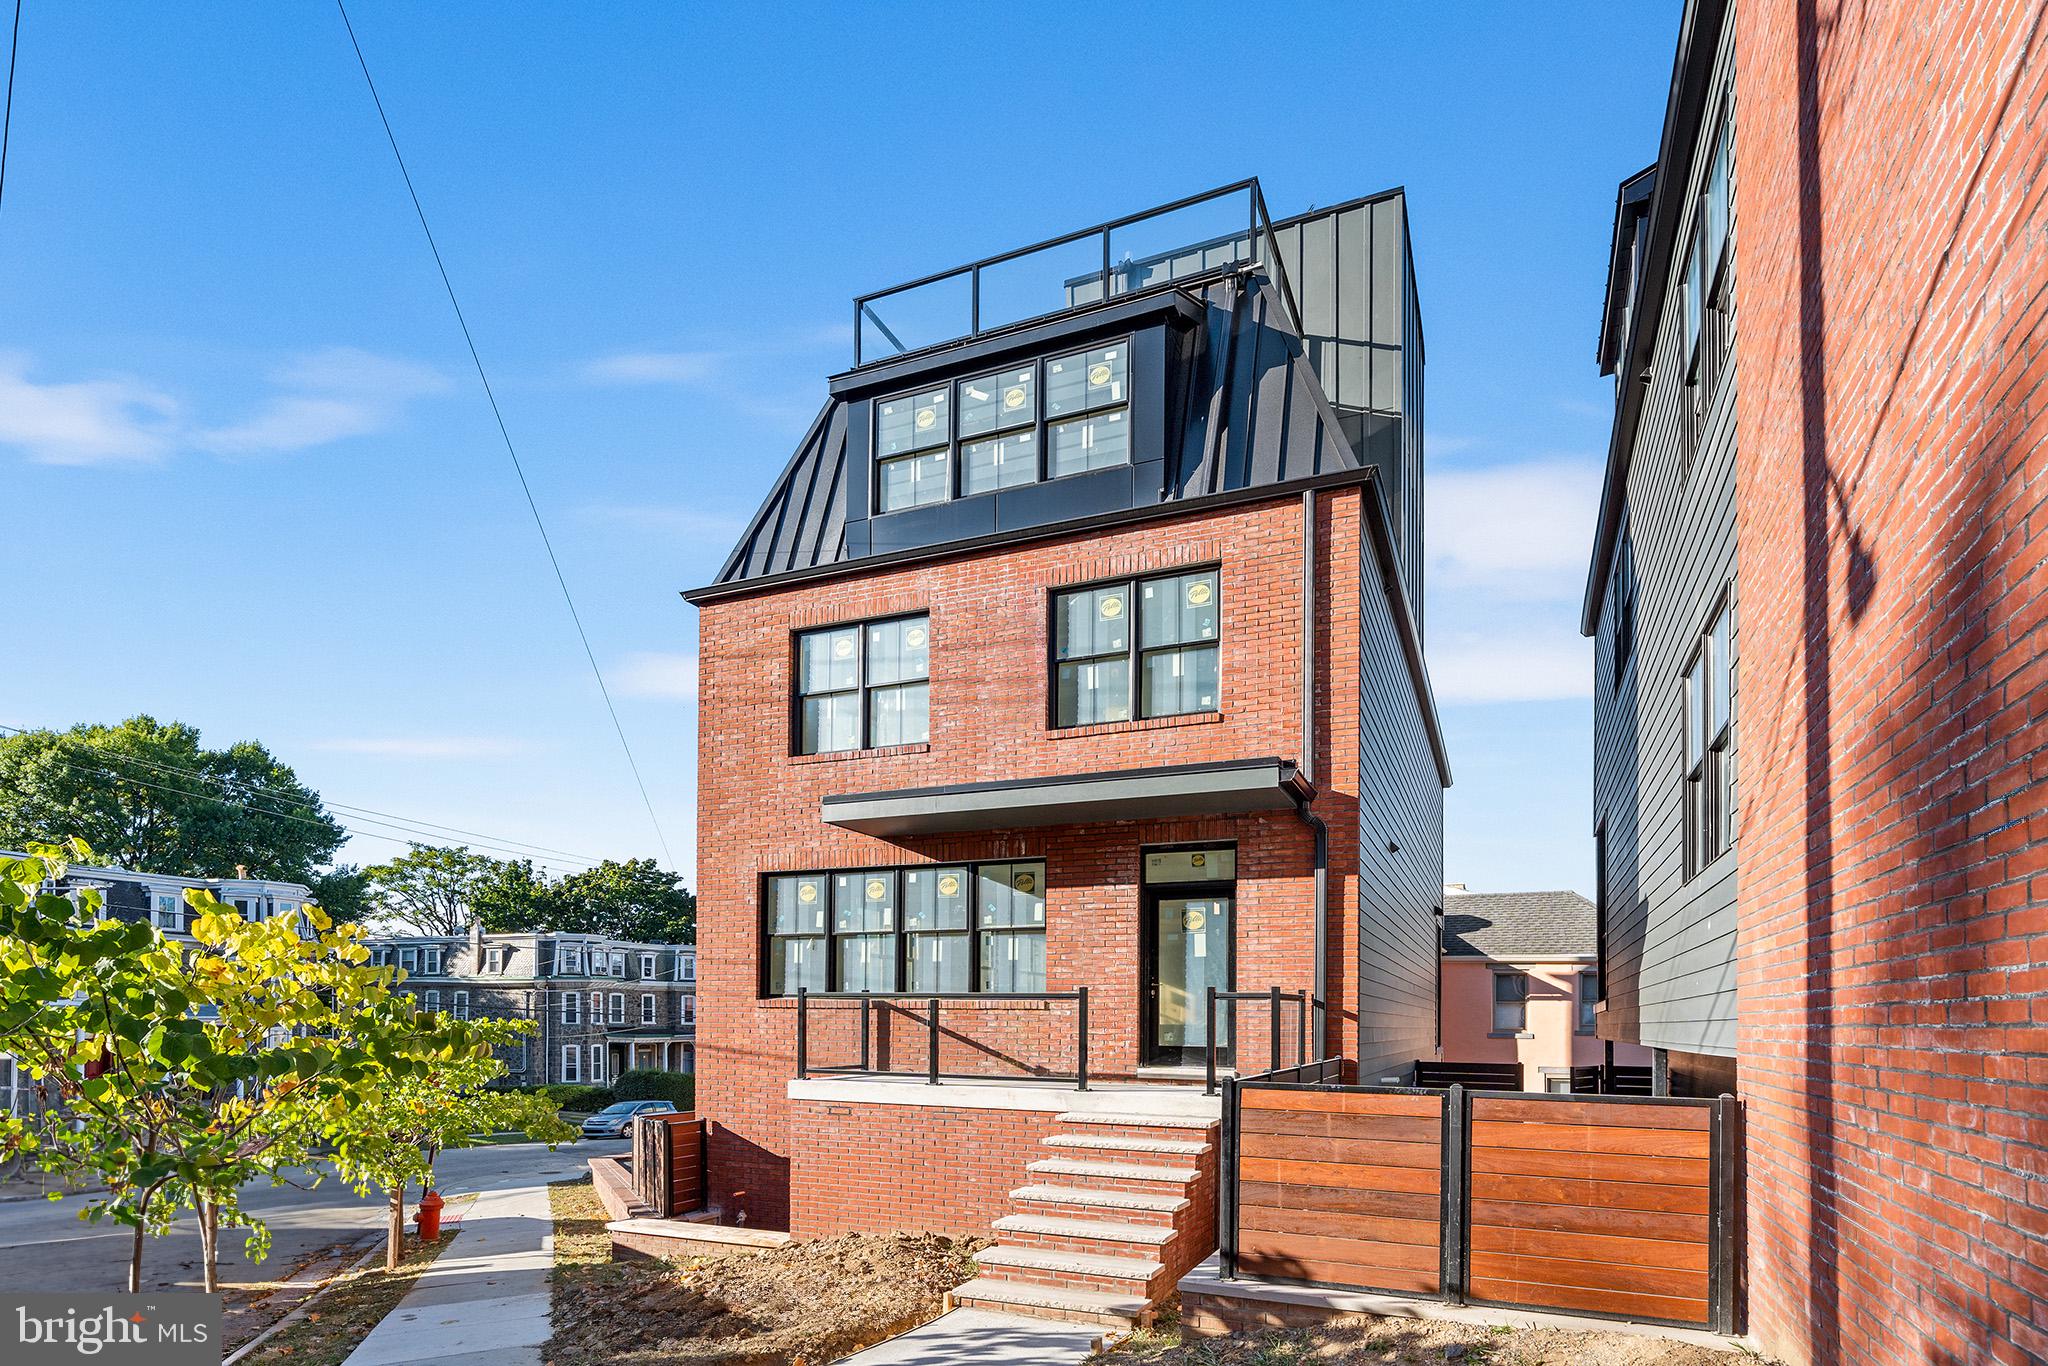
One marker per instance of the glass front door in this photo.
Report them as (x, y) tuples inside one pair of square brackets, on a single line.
[(1190, 951)]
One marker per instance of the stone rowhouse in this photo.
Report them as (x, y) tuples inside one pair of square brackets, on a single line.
[(1822, 547), (600, 1006), (1075, 647)]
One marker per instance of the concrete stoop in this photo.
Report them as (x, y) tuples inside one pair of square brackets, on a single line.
[(1106, 1225)]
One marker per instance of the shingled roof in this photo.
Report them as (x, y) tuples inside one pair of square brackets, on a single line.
[(1519, 925)]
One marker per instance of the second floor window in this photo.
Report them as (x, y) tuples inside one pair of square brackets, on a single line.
[(1108, 669), (1510, 1002), (572, 1007), (1709, 691), (461, 1005), (863, 686), (1589, 1001), (618, 1008), (647, 1010)]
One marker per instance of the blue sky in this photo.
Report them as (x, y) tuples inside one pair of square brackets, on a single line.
[(254, 485)]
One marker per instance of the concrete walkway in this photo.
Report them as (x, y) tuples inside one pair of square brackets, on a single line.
[(485, 1298), (975, 1337)]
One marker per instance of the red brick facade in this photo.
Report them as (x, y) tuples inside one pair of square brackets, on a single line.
[(1892, 372), (798, 1167)]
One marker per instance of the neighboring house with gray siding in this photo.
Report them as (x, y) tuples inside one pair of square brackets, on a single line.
[(1661, 596)]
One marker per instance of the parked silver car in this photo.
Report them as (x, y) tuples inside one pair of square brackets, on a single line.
[(616, 1121)]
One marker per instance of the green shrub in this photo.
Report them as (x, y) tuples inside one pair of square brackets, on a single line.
[(584, 1099), (650, 1083)]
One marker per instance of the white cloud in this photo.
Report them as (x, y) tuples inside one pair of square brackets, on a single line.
[(321, 397), (83, 422), (1521, 531), (425, 747), (652, 673), (653, 367), (1515, 666)]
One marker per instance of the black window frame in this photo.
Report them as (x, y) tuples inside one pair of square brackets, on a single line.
[(898, 931), (1707, 778), (1134, 651), (1586, 1009), (861, 689), (1040, 426)]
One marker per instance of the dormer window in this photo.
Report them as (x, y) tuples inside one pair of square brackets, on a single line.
[(1042, 420)]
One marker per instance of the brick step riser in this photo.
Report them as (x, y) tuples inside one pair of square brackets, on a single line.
[(1104, 1152), (1038, 1312), (1130, 1185), (1101, 1247), (1150, 1288), (1207, 1135), (1059, 1210)]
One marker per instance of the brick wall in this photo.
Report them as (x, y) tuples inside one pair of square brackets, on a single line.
[(1894, 844), (758, 806), (872, 1168)]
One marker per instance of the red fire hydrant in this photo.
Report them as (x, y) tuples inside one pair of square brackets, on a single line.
[(428, 1216)]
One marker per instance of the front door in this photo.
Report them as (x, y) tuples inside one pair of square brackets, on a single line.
[(1189, 934)]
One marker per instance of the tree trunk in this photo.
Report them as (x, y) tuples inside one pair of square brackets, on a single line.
[(209, 1245), (395, 1244), (135, 1264)]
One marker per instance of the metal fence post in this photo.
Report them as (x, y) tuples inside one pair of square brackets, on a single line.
[(1721, 1277), (1226, 1186), (932, 1068), (1274, 1028), (864, 1004), (1081, 1043), (1451, 1228), (1209, 1058), (1301, 1029), (802, 1031)]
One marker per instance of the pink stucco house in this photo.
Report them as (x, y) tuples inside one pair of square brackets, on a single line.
[(1521, 985)]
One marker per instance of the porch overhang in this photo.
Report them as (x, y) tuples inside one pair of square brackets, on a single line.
[(1232, 787)]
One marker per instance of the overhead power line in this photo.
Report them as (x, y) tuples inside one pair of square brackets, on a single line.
[(7, 118), (504, 432)]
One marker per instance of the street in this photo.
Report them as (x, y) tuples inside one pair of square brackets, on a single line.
[(44, 1245)]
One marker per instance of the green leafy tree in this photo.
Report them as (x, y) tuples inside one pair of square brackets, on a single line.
[(392, 1139), (148, 795), (513, 898), (186, 1071), (343, 891), (430, 889), (636, 899)]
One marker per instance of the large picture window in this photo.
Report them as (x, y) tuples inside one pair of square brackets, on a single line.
[(1708, 691), (931, 928), (864, 685), (1168, 659), (1065, 415)]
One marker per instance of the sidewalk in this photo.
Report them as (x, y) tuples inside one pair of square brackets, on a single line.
[(976, 1337), (485, 1298)]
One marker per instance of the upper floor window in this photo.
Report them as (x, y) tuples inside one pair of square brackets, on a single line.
[(432, 1002), (167, 911), (494, 959), (1510, 1002), (646, 966), (408, 958), (1709, 690), (572, 1007), (1169, 658), (1589, 1002), (430, 961), (618, 963), (925, 929), (618, 1016), (1040, 420), (461, 1005), (864, 685), (646, 1009), (689, 1010), (569, 960), (686, 967)]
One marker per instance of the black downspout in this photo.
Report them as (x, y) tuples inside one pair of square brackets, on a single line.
[(1308, 770)]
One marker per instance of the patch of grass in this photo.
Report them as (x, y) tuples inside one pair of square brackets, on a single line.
[(353, 1304)]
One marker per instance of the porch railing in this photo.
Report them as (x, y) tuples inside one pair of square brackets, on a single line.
[(902, 1003), (1274, 998)]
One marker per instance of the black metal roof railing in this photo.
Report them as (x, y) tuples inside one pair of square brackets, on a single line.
[(1198, 235)]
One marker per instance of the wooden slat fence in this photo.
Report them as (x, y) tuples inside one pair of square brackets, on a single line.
[(668, 1163), (1610, 1205)]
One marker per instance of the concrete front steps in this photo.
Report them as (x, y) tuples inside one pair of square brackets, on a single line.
[(1119, 1208)]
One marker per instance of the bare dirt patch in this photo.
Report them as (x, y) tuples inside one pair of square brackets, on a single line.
[(353, 1303), (1410, 1342), (810, 1302)]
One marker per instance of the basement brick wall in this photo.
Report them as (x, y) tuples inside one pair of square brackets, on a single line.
[(1892, 229), (758, 807), (874, 1168)]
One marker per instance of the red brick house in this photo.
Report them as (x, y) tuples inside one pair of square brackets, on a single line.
[(1070, 670), (1819, 592)]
